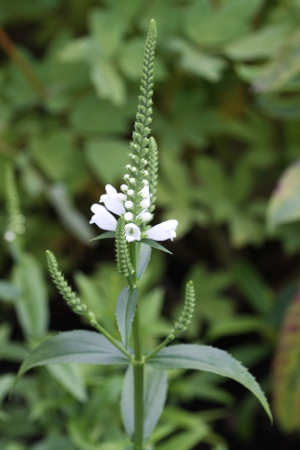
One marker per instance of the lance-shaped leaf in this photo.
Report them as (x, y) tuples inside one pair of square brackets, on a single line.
[(209, 359), (143, 260), (155, 393), (125, 311), (79, 346), (155, 244), (106, 235)]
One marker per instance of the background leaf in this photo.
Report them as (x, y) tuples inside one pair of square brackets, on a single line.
[(155, 391), (284, 204), (31, 306)]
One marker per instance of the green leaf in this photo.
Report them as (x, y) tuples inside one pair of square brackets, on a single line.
[(107, 159), (78, 50), (259, 44), (200, 63), (8, 291), (74, 221), (155, 392), (53, 443), (234, 325), (31, 307), (216, 23), (79, 346), (69, 376), (185, 440), (91, 115), (284, 205), (107, 30), (287, 108), (252, 286), (210, 359), (58, 165), (282, 69), (155, 244), (106, 235), (125, 310), (108, 82), (143, 259)]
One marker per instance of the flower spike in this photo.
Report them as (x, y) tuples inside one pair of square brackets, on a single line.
[(66, 292)]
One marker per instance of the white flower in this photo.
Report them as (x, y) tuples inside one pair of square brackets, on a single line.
[(102, 218), (132, 232), (163, 231), (113, 200)]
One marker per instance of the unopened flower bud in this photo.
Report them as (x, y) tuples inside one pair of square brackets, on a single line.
[(128, 204), (122, 197), (128, 216), (146, 216)]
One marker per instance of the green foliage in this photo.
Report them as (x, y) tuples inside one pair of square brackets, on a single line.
[(226, 108)]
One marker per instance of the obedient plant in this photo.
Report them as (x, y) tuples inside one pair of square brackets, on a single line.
[(126, 217)]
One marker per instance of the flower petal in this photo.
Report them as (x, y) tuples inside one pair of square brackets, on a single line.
[(163, 231), (132, 232), (102, 218), (115, 206), (112, 200)]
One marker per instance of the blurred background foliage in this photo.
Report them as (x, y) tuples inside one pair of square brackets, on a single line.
[(226, 119)]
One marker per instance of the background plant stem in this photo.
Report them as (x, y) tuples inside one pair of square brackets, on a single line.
[(12, 51)]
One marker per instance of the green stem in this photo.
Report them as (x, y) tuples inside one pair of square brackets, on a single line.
[(138, 372), (159, 347), (117, 344), (138, 369), (12, 51)]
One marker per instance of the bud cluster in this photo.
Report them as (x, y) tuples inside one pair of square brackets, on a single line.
[(187, 313), (124, 265), (66, 292)]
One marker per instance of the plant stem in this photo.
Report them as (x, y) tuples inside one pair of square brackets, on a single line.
[(163, 344), (138, 370), (116, 343), (13, 52)]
